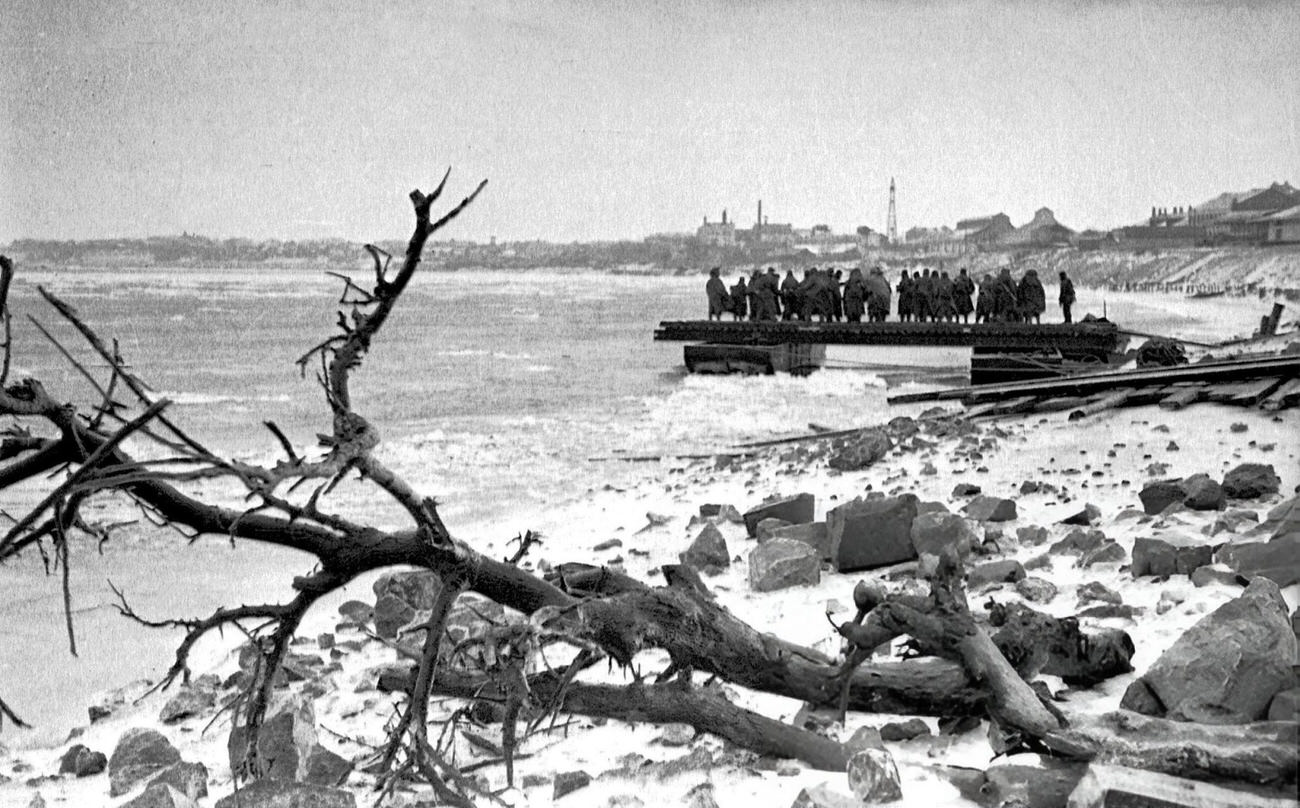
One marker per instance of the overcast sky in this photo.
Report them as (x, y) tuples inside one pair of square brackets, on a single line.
[(597, 120)]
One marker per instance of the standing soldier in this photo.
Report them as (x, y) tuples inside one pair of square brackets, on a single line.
[(837, 299), (943, 305), (1031, 297), (962, 288), (774, 286), (717, 292), (1005, 304), (790, 296), (1067, 296), (739, 299), (923, 302), (855, 295), (984, 301), (878, 296), (904, 297)]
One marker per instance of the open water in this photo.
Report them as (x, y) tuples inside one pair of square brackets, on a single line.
[(500, 394)]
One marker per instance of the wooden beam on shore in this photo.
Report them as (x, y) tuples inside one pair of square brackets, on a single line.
[(1106, 402), (1288, 395), (1177, 397), (1011, 407), (1089, 384)]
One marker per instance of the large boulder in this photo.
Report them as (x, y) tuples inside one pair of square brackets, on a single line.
[(985, 508), (160, 795), (1203, 493), (709, 550), (191, 779), (1251, 481), (861, 450), (82, 761), (1158, 495), (287, 794), (823, 796), (1170, 554), (418, 588), (873, 777), (1272, 549), (936, 531), (810, 533), (139, 753), (782, 563), (1227, 668), (796, 510), (189, 701), (288, 748), (870, 533)]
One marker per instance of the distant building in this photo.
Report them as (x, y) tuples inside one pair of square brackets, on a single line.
[(985, 229), (1042, 230), (717, 234), (1283, 227), (868, 238), (929, 235), (1243, 216)]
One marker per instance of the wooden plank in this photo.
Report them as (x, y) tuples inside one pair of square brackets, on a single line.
[(1106, 402), (1107, 786), (1097, 339), (1288, 395), (1178, 397), (1087, 384), (1015, 405), (1261, 390)]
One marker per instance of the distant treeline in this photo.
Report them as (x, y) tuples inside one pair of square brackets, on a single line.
[(182, 250)]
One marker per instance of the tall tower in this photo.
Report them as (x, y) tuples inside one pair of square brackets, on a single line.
[(892, 235)]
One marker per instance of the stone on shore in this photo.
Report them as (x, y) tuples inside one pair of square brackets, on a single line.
[(1108, 552), (783, 563), (1225, 669), (191, 779), (139, 753), (873, 777), (287, 794), (766, 527), (1285, 705), (709, 550), (870, 533), (418, 588), (1251, 481), (1159, 495), (796, 510), (288, 747), (813, 534), (82, 761), (933, 532), (391, 613), (1084, 518), (986, 508), (861, 450), (996, 572), (160, 795), (962, 490), (568, 782), (1203, 493), (904, 731), (1036, 590), (1078, 542), (823, 796), (189, 701), (1170, 554), (1272, 549)]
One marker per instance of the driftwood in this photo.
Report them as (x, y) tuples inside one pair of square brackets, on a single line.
[(1288, 395), (1177, 397), (1106, 402), (1037, 642)]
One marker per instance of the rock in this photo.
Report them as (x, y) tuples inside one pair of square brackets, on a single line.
[(782, 563), (906, 731), (1036, 590), (160, 795), (873, 777), (288, 748), (728, 513), (766, 527), (1031, 535), (1046, 785), (1109, 552), (1232, 520), (965, 490), (1084, 518), (1107, 611), (710, 509), (190, 779), (287, 794), (796, 510), (1078, 542), (37, 801), (701, 796), (1217, 574), (187, 702), (568, 782), (1275, 559), (82, 761), (1168, 601), (870, 533), (1285, 705), (867, 737), (1172, 554), (708, 550), (357, 611), (418, 588), (1227, 668), (823, 796), (1110, 786), (934, 532), (985, 508), (860, 451), (391, 613), (811, 533), (676, 734), (1158, 495), (1203, 493), (1030, 487), (1006, 571), (139, 753), (1251, 481), (1094, 590), (609, 544)]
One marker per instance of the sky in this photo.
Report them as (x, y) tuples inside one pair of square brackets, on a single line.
[(602, 120)]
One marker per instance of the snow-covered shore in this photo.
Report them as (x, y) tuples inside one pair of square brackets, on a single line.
[(1103, 460)]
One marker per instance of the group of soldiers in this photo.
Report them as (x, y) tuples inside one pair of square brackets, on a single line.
[(925, 296)]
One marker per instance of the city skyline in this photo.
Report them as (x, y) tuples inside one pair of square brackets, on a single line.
[(598, 122)]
